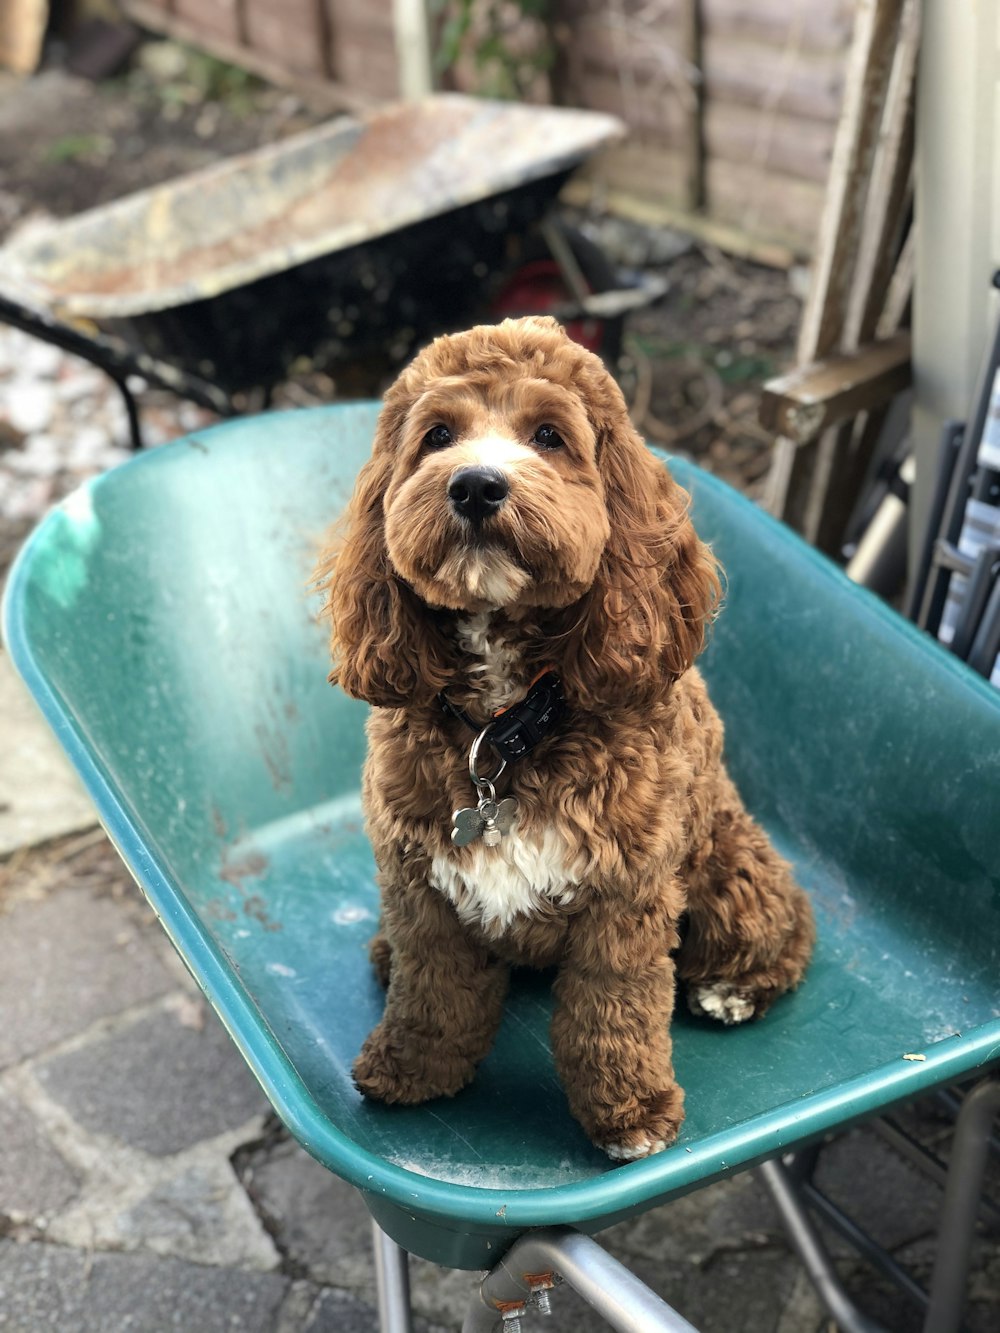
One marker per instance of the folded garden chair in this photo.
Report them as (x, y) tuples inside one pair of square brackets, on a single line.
[(161, 618)]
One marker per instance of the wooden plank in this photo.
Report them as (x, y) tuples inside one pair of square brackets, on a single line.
[(787, 144), (362, 47), (582, 191), (770, 141), (825, 26), (739, 196), (22, 31), (413, 48), (891, 193), (366, 68), (900, 291), (649, 171), (843, 456), (374, 17), (691, 49), (736, 70), (213, 18), (746, 72), (810, 399), (647, 110), (862, 439), (765, 202), (868, 78), (290, 35)]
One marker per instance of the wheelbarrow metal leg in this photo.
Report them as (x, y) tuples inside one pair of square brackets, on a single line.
[(961, 1203), (540, 1258), (392, 1281), (811, 1250), (132, 411)]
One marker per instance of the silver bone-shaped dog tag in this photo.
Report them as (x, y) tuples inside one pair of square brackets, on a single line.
[(492, 819)]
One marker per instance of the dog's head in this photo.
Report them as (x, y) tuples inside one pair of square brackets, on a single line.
[(506, 475)]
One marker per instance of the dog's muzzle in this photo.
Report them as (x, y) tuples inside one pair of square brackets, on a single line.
[(476, 493)]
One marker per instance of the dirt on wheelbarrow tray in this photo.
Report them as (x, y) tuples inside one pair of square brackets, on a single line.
[(691, 368)]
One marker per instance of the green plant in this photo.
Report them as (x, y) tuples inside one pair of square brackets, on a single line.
[(79, 147), (507, 40)]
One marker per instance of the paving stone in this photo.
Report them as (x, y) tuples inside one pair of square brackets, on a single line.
[(34, 1179), (65, 961), (201, 1214), (319, 1221), (742, 1292), (188, 1205), (985, 1284), (886, 1195), (733, 1213), (442, 1296), (40, 794), (803, 1311), (157, 1085), (312, 1309), (49, 1287), (337, 1312)]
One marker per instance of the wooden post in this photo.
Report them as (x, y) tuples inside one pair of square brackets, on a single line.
[(22, 30), (868, 78), (692, 49), (413, 48), (843, 456)]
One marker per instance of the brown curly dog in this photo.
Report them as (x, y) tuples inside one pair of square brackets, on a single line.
[(510, 524)]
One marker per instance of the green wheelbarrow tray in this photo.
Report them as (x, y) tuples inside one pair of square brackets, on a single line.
[(162, 619)]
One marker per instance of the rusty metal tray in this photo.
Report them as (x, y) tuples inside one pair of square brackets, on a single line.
[(263, 212)]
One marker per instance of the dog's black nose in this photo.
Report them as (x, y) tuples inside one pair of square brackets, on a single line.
[(476, 493)]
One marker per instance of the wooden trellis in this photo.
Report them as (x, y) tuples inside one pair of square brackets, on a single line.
[(852, 353)]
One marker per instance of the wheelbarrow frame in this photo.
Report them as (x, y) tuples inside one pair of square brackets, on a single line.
[(458, 1224)]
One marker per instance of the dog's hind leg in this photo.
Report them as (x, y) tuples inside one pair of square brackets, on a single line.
[(750, 926), (380, 956)]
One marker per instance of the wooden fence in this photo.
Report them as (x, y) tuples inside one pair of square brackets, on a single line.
[(339, 53), (733, 104)]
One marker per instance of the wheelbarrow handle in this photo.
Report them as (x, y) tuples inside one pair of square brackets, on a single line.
[(116, 360)]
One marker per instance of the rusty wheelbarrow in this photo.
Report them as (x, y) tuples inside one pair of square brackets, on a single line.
[(359, 238)]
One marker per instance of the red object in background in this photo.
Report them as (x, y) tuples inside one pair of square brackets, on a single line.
[(539, 287)]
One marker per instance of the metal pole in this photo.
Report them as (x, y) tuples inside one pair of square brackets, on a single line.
[(392, 1281), (811, 1250), (537, 1260), (961, 1203)]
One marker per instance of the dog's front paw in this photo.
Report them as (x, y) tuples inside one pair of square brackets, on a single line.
[(627, 1136), (394, 1068), (722, 1001), (634, 1148)]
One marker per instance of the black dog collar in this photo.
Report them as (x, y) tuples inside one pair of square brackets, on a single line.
[(515, 731)]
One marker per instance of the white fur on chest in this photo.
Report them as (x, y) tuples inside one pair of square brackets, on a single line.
[(492, 886)]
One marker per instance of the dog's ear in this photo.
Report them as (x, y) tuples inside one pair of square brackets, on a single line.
[(657, 587), (385, 643)]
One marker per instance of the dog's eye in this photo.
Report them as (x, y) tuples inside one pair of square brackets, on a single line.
[(547, 437), (438, 437)]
